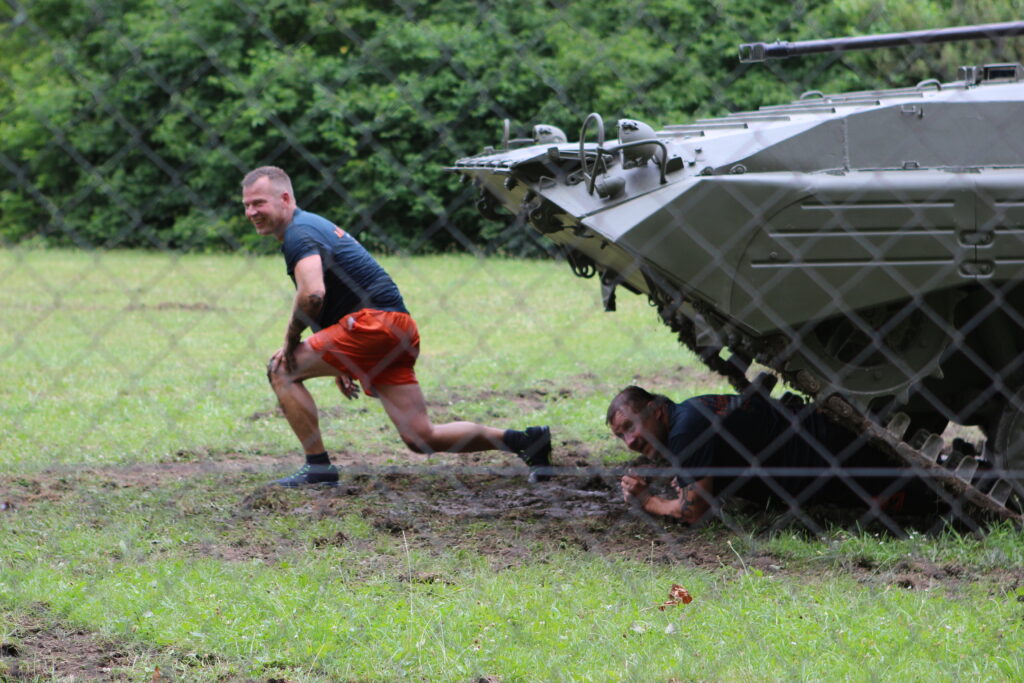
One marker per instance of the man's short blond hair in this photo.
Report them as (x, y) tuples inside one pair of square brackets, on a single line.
[(278, 178)]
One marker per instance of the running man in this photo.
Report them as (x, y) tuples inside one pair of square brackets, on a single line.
[(361, 331)]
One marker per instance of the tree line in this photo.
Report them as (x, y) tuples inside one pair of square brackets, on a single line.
[(129, 123)]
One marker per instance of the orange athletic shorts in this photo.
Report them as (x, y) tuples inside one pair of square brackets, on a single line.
[(375, 347)]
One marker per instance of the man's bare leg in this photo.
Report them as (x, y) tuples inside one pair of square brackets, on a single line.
[(300, 410), (407, 409), (405, 405)]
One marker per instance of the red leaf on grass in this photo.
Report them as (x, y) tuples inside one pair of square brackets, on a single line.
[(681, 594), (676, 595)]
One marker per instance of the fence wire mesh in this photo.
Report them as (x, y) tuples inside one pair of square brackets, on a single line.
[(851, 224)]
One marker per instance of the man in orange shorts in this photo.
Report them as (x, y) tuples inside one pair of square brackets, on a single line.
[(362, 332)]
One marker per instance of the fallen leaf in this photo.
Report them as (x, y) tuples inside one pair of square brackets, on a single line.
[(676, 595), (680, 593)]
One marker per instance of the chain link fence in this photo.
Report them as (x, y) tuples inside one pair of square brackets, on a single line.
[(850, 222)]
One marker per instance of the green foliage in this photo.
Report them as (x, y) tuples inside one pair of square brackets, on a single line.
[(130, 122)]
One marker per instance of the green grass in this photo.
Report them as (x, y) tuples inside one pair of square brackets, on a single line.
[(125, 563), (122, 357), (119, 360)]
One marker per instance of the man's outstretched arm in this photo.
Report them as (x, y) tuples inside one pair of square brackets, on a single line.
[(691, 505)]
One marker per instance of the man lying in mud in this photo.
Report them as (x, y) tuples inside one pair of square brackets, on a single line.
[(754, 448)]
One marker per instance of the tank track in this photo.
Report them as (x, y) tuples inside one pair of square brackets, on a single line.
[(975, 493)]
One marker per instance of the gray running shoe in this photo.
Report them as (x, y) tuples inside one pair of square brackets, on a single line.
[(310, 475)]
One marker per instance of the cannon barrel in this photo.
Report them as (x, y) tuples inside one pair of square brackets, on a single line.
[(759, 52)]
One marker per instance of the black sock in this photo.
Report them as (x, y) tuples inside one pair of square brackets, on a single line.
[(515, 440), (318, 459)]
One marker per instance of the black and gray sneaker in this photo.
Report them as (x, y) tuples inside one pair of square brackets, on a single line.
[(537, 453), (310, 475)]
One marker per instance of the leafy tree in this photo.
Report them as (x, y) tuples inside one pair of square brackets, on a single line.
[(130, 122)]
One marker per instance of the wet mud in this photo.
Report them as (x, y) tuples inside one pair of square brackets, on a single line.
[(40, 650)]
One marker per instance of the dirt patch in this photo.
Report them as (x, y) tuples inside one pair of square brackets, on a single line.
[(481, 503), (486, 506), (41, 650), (40, 647), (680, 375), (494, 513), (524, 400), (53, 485), (506, 520)]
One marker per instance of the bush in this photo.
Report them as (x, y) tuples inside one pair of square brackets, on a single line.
[(129, 123)]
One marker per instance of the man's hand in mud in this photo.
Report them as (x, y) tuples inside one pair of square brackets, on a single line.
[(634, 488)]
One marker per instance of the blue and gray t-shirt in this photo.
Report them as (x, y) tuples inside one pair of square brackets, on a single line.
[(352, 278)]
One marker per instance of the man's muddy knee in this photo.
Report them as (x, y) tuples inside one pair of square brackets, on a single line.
[(276, 373)]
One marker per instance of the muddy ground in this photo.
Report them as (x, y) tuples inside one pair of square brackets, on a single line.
[(482, 504)]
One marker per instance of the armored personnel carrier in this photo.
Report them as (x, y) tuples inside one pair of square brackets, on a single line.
[(867, 247)]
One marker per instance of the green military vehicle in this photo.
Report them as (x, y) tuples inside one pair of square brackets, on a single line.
[(867, 247)]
